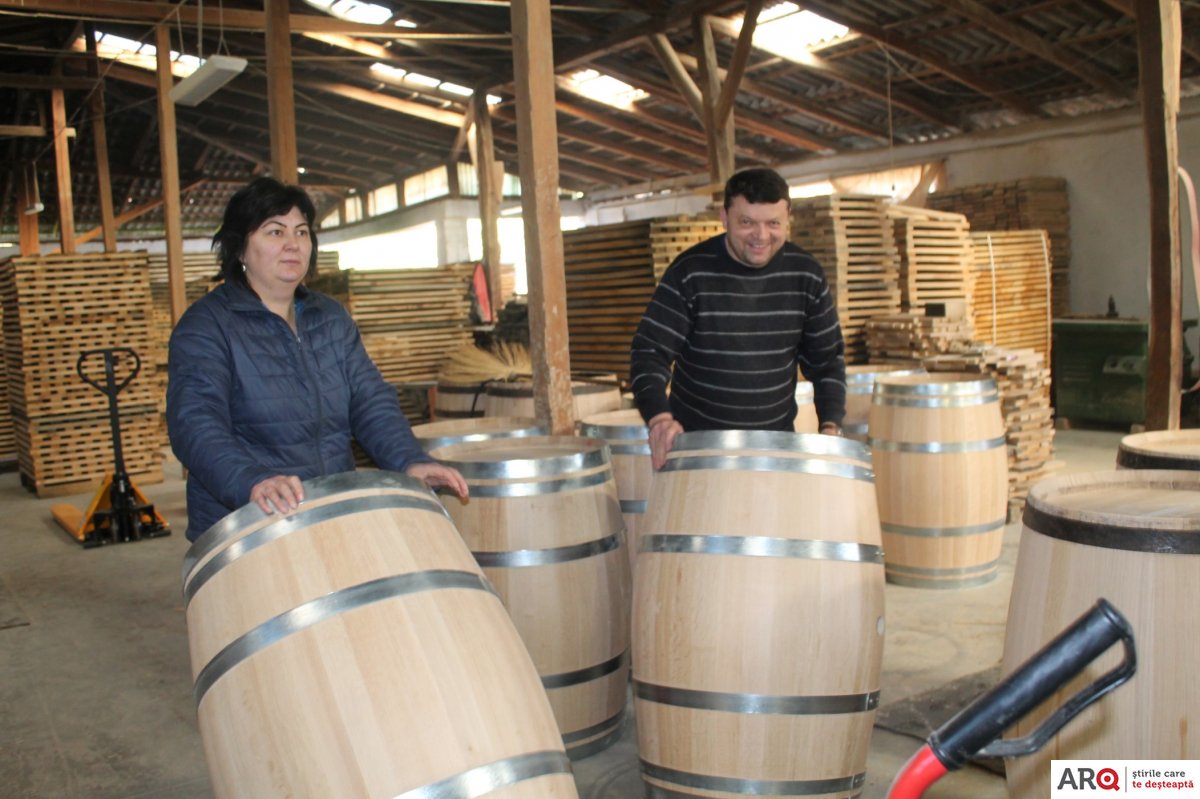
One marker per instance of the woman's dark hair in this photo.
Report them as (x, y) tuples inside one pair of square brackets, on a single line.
[(757, 186), (252, 205)]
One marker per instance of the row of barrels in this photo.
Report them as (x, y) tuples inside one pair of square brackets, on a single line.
[(380, 643)]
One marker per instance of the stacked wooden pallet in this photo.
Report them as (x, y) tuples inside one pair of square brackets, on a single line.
[(936, 261), (1011, 305), (1023, 380), (611, 272), (411, 319), (8, 443), (852, 238), (901, 338), (54, 308), (1029, 203)]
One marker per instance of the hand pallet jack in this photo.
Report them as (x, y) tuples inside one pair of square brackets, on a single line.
[(119, 512)]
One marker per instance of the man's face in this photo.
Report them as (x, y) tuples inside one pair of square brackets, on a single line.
[(755, 231)]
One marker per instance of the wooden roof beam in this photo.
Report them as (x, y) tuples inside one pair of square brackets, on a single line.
[(1191, 43), (656, 137)]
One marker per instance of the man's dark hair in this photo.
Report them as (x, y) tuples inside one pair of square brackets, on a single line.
[(252, 205), (760, 185)]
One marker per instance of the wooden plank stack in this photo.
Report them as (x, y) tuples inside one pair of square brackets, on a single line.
[(1023, 380), (936, 261), (907, 337), (8, 441), (1028, 203), (411, 319), (852, 238), (54, 308), (611, 272), (1011, 305)]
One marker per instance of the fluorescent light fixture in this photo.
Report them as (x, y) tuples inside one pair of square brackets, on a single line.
[(214, 73)]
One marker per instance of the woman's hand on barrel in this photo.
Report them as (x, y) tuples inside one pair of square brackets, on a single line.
[(435, 475), (279, 494), (663, 429)]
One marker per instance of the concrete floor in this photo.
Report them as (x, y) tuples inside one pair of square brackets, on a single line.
[(95, 687)]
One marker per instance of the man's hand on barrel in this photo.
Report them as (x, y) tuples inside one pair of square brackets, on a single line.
[(831, 429), (436, 475), (279, 494), (663, 429)]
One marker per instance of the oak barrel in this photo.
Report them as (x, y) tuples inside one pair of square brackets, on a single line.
[(806, 409), (860, 385), (941, 477), (544, 522), (1162, 449), (628, 443), (458, 400), (758, 617), (433, 435), (353, 648), (515, 397), (1132, 537)]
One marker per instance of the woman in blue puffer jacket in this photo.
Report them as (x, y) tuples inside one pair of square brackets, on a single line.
[(268, 381)]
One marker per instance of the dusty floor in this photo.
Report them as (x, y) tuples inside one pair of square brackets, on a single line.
[(95, 689)]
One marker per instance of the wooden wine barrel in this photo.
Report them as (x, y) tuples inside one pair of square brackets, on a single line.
[(515, 398), (1132, 537), (544, 522), (860, 385), (353, 648), (758, 617), (941, 477), (456, 431), (458, 400), (806, 409), (628, 442), (1163, 449)]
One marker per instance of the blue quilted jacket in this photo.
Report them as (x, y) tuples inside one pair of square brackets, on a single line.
[(248, 399)]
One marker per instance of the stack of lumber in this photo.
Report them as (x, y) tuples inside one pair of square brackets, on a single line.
[(852, 238), (328, 262), (611, 272), (1011, 305), (54, 308), (410, 319), (936, 261), (906, 337), (1028, 203), (1024, 383), (8, 442)]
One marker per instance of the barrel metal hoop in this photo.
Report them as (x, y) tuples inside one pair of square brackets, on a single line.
[(298, 522), (593, 454), (1111, 536), (525, 391), (784, 442), (762, 547), (756, 703), (315, 611), (436, 442), (653, 791), (854, 429), (587, 732), (516, 558), (317, 488), (957, 388), (629, 449), (944, 532), (541, 487), (483, 780), (948, 402), (612, 432), (707, 782), (937, 447), (580, 676), (589, 748), (1137, 459), (949, 579), (634, 505), (759, 463)]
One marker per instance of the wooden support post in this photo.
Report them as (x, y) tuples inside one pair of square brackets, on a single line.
[(1159, 42), (27, 224), (489, 199), (100, 139), (281, 103), (719, 135), (62, 170), (537, 146), (168, 149)]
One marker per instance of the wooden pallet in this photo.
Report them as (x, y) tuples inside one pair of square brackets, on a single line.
[(1011, 304), (936, 255)]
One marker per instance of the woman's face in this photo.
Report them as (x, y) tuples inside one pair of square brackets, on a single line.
[(277, 254)]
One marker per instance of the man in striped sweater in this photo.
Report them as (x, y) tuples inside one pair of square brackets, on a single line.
[(730, 322)]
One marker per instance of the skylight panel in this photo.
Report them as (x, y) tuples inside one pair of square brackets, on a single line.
[(137, 54), (786, 31), (605, 89), (356, 11)]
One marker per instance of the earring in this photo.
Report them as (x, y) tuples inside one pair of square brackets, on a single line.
[(243, 266)]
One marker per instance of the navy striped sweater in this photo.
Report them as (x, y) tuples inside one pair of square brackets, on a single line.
[(735, 336)]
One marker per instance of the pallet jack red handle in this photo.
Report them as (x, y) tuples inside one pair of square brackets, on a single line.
[(977, 728)]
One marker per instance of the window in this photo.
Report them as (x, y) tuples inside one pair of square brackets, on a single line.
[(382, 200), (427, 186), (352, 207), (412, 248)]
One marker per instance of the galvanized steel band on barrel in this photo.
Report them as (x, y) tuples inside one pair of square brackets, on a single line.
[(634, 505), (756, 703), (318, 488), (762, 547), (766, 463), (1111, 534), (937, 447), (315, 611), (483, 780), (943, 532), (950, 394), (525, 389), (296, 522), (965, 576), (516, 558), (630, 432), (592, 454), (864, 382), (580, 676), (436, 442), (759, 440), (578, 751), (706, 782)]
